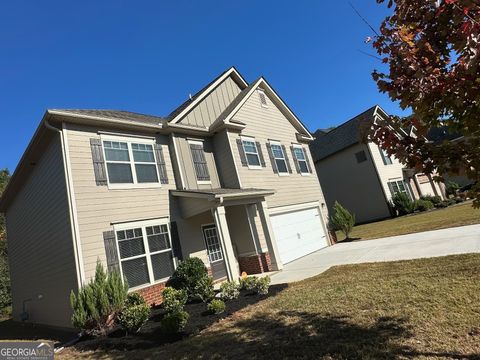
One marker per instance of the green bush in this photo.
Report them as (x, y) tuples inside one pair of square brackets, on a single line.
[(192, 276), (216, 306), (451, 188), (423, 205), (97, 304), (262, 285), (248, 283), (442, 205), (133, 317), (229, 290), (342, 220), (435, 200), (174, 322), (174, 300), (459, 200), (403, 204), (134, 299)]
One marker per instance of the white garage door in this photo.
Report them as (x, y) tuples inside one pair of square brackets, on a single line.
[(298, 233)]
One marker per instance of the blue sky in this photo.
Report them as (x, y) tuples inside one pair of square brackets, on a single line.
[(147, 56)]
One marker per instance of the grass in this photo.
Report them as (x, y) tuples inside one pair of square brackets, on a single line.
[(456, 215), (426, 308)]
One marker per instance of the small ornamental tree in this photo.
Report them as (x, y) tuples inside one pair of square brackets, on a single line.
[(342, 220), (97, 304), (431, 49)]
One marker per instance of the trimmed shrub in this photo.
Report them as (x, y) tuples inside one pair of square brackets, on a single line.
[(451, 188), (97, 304), (262, 285), (403, 204), (216, 306), (174, 322), (459, 200), (442, 205), (423, 205), (192, 276), (174, 300), (248, 283), (435, 200), (342, 220), (134, 299), (229, 290), (133, 317)]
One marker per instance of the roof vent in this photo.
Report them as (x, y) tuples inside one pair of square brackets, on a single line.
[(263, 98)]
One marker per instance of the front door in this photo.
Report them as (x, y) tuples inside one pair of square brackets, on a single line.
[(214, 251)]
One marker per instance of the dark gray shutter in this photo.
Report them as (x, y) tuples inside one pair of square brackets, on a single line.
[(305, 152), (295, 160), (287, 161), (272, 158), (199, 162), (111, 251), (260, 154), (162, 167), (177, 249), (98, 162), (241, 152)]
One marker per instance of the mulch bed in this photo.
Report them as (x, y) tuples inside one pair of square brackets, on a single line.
[(151, 334)]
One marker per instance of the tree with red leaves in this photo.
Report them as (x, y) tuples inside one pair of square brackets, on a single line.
[(432, 51)]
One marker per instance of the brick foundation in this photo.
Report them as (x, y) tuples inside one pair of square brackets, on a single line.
[(152, 294), (255, 264)]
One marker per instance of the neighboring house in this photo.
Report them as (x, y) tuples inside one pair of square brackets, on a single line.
[(226, 177), (361, 176)]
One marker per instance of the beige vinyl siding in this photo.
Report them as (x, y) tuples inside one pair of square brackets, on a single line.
[(40, 247), (354, 185), (266, 124), (98, 207), (224, 159), (386, 173), (188, 170), (208, 110)]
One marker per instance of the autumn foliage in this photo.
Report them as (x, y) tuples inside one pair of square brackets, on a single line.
[(431, 54)]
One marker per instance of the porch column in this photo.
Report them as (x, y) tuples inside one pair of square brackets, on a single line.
[(432, 184), (269, 237), (226, 242), (417, 184)]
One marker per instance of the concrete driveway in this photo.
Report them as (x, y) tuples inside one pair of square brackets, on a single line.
[(459, 240)]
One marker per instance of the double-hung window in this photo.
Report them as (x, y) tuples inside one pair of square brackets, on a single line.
[(251, 152), (130, 162), (145, 252), (301, 159), (387, 160), (399, 186), (279, 157)]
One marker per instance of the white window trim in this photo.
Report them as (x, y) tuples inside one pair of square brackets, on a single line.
[(261, 91), (129, 141), (147, 254), (199, 142), (247, 138), (298, 146), (272, 142), (405, 184)]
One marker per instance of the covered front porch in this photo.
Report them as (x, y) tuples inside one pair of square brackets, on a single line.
[(231, 228)]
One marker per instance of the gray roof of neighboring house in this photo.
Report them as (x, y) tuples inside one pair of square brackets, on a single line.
[(440, 134), (343, 136), (114, 114)]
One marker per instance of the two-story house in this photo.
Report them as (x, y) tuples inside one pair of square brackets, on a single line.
[(359, 174), (226, 177)]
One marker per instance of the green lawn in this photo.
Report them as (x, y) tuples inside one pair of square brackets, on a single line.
[(456, 215), (428, 308)]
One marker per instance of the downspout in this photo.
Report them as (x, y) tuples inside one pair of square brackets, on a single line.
[(74, 225)]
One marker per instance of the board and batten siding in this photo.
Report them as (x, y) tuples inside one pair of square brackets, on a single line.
[(210, 108), (40, 245), (356, 186), (266, 124), (98, 206), (187, 166)]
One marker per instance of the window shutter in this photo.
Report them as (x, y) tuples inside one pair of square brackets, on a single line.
[(162, 167), (260, 154), (295, 160), (111, 251), (176, 248), (241, 152), (272, 158), (287, 161), (98, 161), (392, 191), (199, 162), (307, 160)]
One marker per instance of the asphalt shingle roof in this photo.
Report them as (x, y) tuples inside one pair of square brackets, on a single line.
[(342, 136), (115, 114)]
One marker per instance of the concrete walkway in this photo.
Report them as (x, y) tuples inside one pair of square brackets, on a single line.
[(459, 240)]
